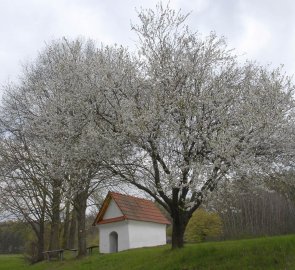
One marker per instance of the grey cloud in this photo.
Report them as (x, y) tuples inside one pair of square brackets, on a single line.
[(26, 25)]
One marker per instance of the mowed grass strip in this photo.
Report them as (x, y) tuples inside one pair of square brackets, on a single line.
[(261, 253), (12, 262)]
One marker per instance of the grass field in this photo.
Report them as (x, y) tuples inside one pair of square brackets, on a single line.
[(261, 253)]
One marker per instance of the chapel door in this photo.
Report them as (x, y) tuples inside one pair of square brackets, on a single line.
[(113, 242)]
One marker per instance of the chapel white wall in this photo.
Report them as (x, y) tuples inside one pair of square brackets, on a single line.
[(121, 228), (146, 234)]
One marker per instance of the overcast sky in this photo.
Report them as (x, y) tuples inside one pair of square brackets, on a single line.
[(262, 30)]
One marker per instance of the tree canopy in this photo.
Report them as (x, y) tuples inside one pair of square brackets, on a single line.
[(173, 120), (194, 115)]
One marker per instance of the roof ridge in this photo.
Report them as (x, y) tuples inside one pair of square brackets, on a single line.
[(138, 198)]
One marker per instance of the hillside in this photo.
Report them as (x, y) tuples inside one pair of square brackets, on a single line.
[(261, 253)]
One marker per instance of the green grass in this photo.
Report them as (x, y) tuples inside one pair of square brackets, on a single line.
[(12, 262), (261, 253)]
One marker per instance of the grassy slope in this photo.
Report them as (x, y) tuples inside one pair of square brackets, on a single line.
[(8, 262), (262, 253)]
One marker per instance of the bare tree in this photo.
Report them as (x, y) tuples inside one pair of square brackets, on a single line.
[(252, 210)]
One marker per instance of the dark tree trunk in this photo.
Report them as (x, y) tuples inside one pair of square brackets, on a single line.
[(54, 241), (40, 243), (38, 228), (80, 204), (72, 234), (65, 237), (81, 233), (177, 236), (180, 221), (37, 248)]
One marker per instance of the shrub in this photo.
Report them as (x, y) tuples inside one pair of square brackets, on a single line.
[(203, 225)]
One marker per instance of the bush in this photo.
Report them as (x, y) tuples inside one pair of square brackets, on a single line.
[(203, 225)]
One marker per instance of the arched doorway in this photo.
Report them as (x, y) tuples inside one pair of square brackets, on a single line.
[(113, 242)]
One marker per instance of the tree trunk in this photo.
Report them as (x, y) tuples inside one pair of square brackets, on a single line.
[(65, 237), (72, 234), (180, 219), (80, 204), (54, 242), (81, 233), (37, 248), (178, 228), (40, 243)]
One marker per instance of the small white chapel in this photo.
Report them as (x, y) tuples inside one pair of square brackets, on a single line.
[(127, 222)]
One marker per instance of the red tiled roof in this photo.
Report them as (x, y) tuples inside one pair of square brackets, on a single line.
[(132, 208)]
